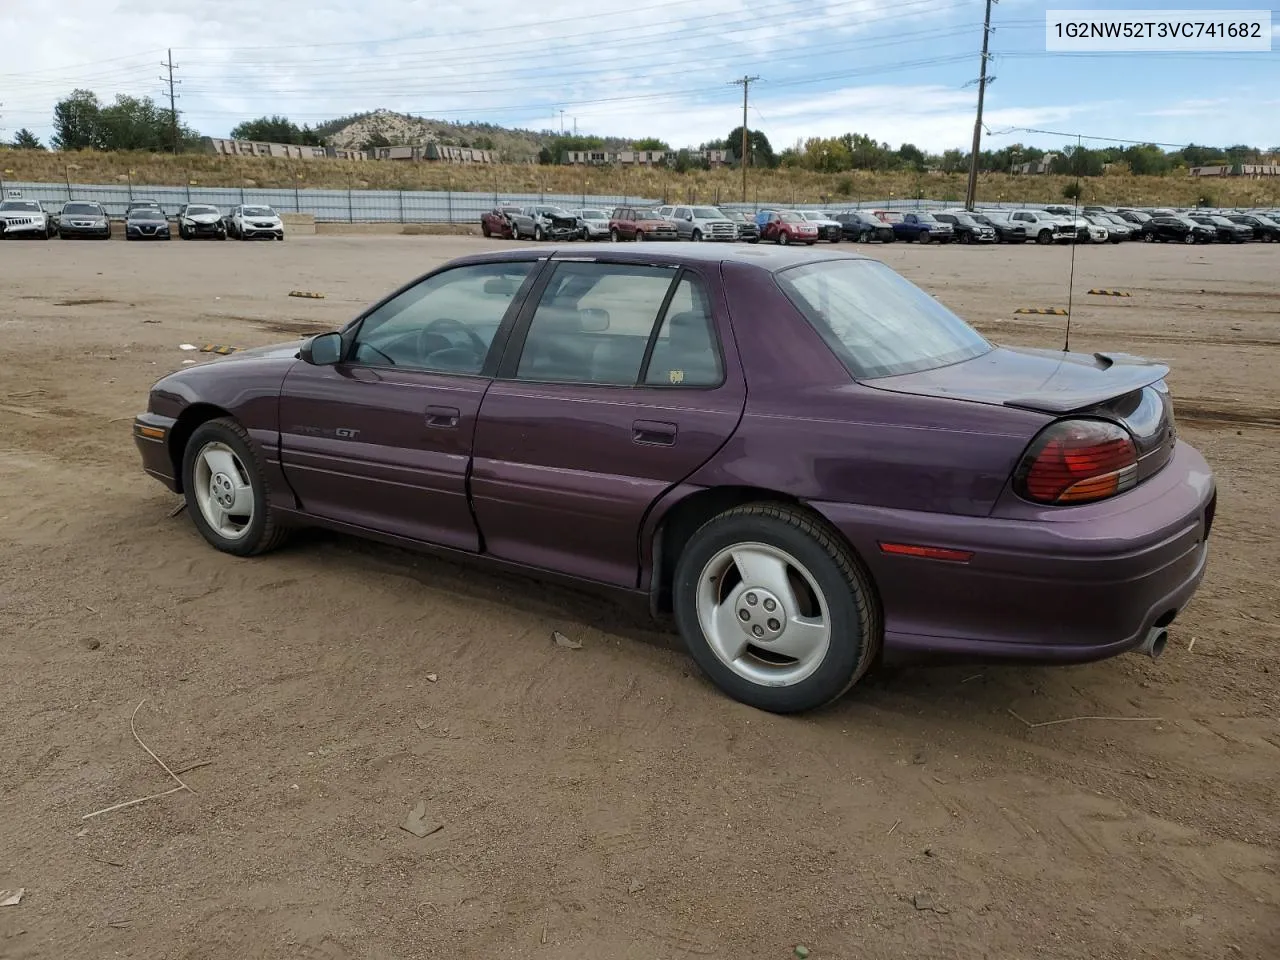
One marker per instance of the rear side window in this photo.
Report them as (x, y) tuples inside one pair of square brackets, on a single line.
[(685, 352), (593, 323), (878, 323)]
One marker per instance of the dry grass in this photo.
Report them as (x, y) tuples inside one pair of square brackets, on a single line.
[(774, 186)]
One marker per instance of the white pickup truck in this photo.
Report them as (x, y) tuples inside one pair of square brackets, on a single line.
[(700, 223), (1044, 227)]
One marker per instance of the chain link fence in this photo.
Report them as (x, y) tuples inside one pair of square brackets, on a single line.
[(399, 206)]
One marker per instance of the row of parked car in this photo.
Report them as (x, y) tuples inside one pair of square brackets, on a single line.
[(1043, 225), (143, 220)]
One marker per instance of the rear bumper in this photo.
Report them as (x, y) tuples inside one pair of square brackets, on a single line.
[(151, 434), (1083, 584)]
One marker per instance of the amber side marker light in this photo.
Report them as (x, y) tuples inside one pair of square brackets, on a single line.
[(155, 433), (926, 553)]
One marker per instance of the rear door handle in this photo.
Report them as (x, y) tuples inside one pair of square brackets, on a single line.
[(655, 432), (443, 416)]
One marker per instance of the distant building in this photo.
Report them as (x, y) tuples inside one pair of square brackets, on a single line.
[(1036, 167), (284, 151), (643, 158), (435, 153), (430, 153), (1237, 170)]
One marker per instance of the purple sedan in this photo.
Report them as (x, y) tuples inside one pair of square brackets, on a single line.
[(807, 460)]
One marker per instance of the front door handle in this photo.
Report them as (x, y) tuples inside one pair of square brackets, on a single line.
[(654, 432), (443, 416)]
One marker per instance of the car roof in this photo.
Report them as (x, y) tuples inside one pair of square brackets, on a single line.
[(680, 253)]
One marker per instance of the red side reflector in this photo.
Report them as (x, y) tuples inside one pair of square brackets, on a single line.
[(926, 553)]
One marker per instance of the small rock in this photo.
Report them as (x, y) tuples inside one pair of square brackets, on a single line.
[(92, 643), (918, 757), (417, 824), (1150, 775), (802, 952), (432, 677), (11, 898), (636, 886), (922, 901), (562, 641)]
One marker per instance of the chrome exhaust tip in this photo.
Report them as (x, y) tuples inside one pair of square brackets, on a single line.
[(1153, 644)]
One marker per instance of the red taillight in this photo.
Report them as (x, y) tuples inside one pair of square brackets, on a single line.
[(1078, 461)]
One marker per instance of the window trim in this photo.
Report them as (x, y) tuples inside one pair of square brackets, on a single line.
[(513, 350), (497, 347)]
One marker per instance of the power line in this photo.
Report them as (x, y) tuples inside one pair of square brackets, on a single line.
[(972, 189), (745, 83)]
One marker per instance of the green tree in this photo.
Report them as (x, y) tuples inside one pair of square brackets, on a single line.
[(650, 143), (1071, 191), (759, 150), (75, 121), (911, 157), (275, 129), (377, 139), (131, 123), (24, 139), (954, 161), (1147, 160)]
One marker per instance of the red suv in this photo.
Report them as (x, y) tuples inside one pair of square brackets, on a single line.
[(786, 226), (637, 223)]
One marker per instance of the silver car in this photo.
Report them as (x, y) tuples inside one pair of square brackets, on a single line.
[(25, 218), (593, 222)]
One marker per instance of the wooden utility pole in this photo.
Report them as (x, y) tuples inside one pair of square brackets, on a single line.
[(173, 100), (971, 192), (745, 83)]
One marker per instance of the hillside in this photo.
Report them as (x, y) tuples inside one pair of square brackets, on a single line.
[(513, 145), (786, 186)]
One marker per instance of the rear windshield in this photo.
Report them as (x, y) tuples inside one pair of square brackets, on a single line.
[(878, 323)]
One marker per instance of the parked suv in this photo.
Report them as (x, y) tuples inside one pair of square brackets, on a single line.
[(967, 228), (746, 224), (1044, 227), (863, 228), (639, 223), (829, 228), (1264, 228), (786, 226), (26, 218), (700, 223)]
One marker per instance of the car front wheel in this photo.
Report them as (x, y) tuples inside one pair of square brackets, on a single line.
[(226, 490), (784, 238), (775, 608)]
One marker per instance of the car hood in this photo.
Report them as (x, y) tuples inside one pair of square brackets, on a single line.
[(1048, 381), (7, 214), (202, 217), (143, 221)]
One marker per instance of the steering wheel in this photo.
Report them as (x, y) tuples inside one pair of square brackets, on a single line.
[(430, 330)]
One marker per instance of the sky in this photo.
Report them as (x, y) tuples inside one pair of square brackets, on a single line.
[(898, 70)]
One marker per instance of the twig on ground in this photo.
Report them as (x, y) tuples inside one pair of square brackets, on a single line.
[(89, 608), (178, 509), (1050, 723), (974, 677), (193, 766), (1192, 645), (893, 828), (109, 863), (151, 753)]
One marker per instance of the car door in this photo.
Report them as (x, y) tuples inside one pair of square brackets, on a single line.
[(382, 439), (619, 381), (683, 218)]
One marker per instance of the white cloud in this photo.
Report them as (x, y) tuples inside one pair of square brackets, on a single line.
[(623, 67)]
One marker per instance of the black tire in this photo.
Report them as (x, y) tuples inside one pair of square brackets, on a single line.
[(1044, 237), (264, 532), (538, 235), (696, 236), (966, 237), (639, 236), (854, 614), (784, 238), (923, 236)]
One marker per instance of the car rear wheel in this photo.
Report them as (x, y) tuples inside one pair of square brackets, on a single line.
[(783, 237), (775, 609), (226, 490)]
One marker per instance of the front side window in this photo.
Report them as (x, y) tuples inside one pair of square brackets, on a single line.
[(877, 322), (445, 324), (593, 323)]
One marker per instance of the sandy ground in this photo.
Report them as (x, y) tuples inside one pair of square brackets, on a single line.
[(603, 802)]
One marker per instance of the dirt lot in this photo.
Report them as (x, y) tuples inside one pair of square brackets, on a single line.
[(605, 802)]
